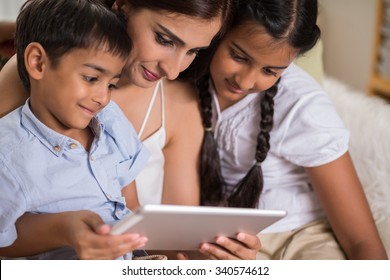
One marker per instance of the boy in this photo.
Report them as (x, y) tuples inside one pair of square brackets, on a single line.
[(61, 151)]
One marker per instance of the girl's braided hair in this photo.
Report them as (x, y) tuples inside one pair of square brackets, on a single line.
[(293, 21)]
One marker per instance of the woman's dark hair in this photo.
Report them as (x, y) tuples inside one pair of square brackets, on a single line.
[(291, 21), (63, 25), (109, 3), (201, 9)]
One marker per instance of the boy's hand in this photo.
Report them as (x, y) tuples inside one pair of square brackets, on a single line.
[(91, 238)]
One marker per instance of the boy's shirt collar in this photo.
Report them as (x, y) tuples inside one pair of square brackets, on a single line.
[(54, 141)]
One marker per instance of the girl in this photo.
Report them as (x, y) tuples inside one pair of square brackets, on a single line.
[(166, 37), (273, 140)]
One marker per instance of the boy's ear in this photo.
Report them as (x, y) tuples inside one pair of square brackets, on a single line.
[(35, 60)]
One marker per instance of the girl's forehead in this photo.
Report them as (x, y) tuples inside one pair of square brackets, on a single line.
[(258, 44), (249, 29), (256, 36)]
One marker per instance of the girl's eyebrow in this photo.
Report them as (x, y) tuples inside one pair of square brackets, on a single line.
[(250, 57), (241, 50), (175, 38)]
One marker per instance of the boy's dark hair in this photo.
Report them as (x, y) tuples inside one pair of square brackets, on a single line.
[(291, 21), (63, 25)]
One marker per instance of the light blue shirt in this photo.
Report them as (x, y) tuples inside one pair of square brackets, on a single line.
[(42, 171)]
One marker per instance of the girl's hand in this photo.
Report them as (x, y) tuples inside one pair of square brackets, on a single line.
[(91, 238), (244, 248)]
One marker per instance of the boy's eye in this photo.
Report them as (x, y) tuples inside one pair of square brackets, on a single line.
[(162, 41)]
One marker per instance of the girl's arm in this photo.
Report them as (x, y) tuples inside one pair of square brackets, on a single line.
[(12, 93), (82, 230), (344, 202)]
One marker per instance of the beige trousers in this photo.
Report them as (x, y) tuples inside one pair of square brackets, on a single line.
[(314, 241)]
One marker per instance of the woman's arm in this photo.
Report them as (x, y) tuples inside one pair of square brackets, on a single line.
[(12, 93), (342, 197), (181, 179), (131, 196), (7, 30), (82, 230), (184, 139)]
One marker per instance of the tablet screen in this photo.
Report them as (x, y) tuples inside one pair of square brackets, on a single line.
[(177, 227)]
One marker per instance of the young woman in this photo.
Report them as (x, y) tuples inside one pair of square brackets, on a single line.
[(166, 37), (274, 140)]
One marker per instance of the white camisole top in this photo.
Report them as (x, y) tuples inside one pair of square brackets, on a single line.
[(150, 181)]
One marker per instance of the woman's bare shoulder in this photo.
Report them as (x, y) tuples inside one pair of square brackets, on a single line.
[(182, 107), (12, 93), (180, 92)]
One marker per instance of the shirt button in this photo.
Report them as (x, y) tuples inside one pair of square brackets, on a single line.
[(73, 146), (91, 158), (57, 148)]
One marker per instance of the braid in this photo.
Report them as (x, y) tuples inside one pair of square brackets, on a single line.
[(210, 171), (266, 123), (287, 22), (205, 100), (247, 192)]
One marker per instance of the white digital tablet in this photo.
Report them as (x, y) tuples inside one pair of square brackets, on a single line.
[(174, 227)]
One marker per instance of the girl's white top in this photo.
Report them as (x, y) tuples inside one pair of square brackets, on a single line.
[(307, 132)]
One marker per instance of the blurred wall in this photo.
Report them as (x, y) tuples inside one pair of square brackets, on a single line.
[(9, 9), (348, 28)]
